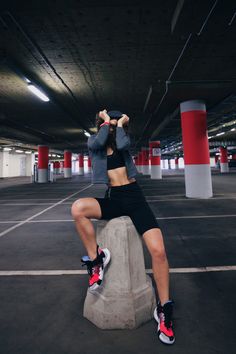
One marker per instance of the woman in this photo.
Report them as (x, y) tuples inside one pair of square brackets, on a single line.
[(112, 164)]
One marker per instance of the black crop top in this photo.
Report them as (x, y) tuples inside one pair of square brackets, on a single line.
[(115, 160)]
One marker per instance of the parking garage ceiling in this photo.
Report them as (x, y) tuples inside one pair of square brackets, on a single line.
[(142, 58)]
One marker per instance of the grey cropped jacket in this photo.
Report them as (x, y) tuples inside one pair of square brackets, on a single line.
[(98, 153)]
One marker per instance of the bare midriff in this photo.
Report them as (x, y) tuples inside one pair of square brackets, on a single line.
[(118, 176)]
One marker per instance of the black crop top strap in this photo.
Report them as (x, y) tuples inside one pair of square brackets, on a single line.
[(115, 160)]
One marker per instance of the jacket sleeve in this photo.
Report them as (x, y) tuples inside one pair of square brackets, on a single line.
[(122, 139), (98, 140)]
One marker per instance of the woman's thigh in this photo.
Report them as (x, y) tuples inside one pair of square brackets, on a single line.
[(88, 207), (143, 218), (110, 208)]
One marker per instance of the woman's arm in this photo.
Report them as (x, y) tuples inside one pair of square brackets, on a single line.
[(122, 139), (98, 140)]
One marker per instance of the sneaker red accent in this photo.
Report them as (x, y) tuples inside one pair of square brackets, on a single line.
[(163, 316), (96, 267)]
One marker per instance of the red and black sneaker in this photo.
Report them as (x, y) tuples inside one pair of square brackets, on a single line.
[(96, 267), (163, 316)]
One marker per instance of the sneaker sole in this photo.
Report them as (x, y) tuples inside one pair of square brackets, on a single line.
[(105, 263), (163, 338)]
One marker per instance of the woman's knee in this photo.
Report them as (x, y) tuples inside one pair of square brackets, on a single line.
[(78, 209)]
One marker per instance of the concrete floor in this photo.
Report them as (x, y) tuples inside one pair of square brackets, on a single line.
[(43, 313)]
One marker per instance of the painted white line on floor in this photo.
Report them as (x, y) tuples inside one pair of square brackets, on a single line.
[(41, 212), (19, 199), (96, 220), (82, 272), (187, 199), (20, 204), (196, 217)]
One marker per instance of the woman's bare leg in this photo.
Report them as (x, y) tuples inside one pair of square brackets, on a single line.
[(82, 211), (155, 244)]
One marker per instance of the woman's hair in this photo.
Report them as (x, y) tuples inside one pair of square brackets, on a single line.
[(111, 141)]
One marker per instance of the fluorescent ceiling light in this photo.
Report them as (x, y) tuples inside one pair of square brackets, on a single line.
[(86, 133), (27, 152), (232, 130), (38, 93), (19, 151), (7, 149), (53, 155), (220, 134)]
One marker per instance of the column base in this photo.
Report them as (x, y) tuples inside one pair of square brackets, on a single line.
[(145, 169), (42, 175), (67, 172), (198, 183), (224, 167), (156, 172), (81, 171)]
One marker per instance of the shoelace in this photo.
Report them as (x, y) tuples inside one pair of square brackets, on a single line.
[(91, 269), (167, 320)]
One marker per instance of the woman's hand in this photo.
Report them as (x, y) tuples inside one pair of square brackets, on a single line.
[(103, 114), (124, 120)]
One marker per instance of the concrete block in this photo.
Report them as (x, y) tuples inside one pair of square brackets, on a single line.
[(126, 297)]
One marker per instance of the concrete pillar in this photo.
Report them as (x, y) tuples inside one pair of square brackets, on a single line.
[(81, 164), (126, 298), (139, 161), (42, 164), (155, 155), (61, 166), (4, 164), (176, 163), (169, 164), (56, 167), (145, 161), (224, 164), (136, 161), (89, 165), (67, 164), (198, 183)]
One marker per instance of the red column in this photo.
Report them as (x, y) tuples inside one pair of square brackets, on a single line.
[(224, 164), (43, 163), (145, 160), (176, 163), (139, 159), (89, 164), (67, 164), (155, 158), (81, 164), (196, 149)]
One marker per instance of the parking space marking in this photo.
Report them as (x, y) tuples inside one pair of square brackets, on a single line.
[(29, 220), (196, 217), (82, 272), (41, 212)]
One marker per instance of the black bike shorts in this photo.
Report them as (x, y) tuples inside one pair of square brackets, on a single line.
[(128, 200)]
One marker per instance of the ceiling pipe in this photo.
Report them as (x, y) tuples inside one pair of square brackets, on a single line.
[(165, 93), (174, 68)]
